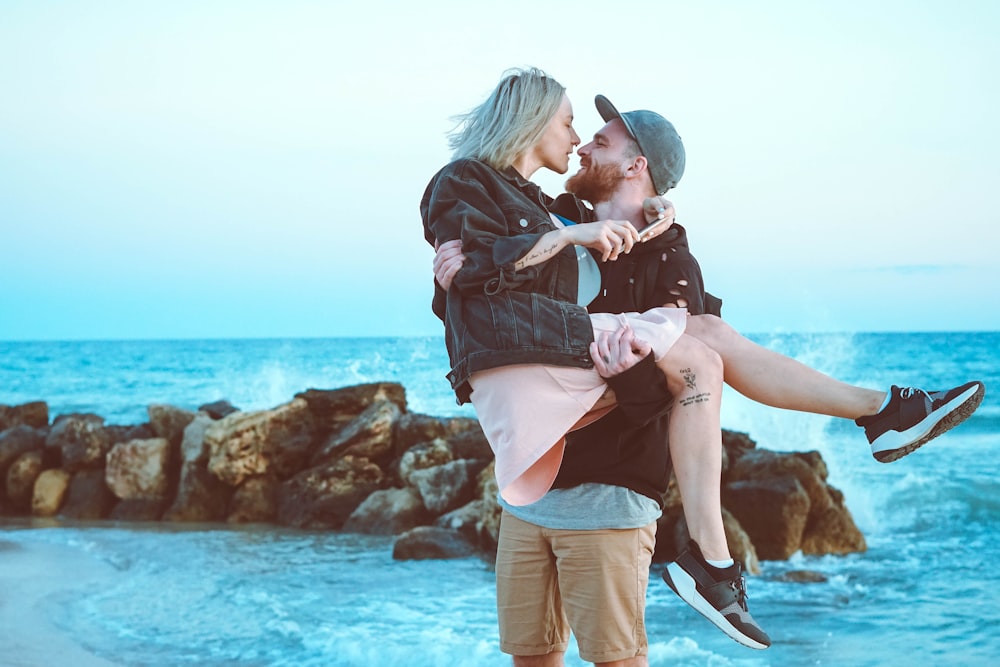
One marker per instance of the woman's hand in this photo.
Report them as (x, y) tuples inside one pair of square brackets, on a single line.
[(656, 209), (448, 259), (609, 237)]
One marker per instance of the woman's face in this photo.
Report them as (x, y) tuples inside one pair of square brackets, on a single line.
[(554, 148)]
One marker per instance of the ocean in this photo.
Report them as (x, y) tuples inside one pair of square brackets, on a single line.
[(95, 594)]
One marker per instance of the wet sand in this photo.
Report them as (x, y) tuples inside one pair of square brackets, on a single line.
[(29, 575)]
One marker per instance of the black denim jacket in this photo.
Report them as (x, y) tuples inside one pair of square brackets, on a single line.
[(495, 315)]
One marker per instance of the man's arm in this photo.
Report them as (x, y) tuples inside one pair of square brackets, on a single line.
[(626, 363)]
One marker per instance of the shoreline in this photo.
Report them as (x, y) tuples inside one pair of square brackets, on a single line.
[(29, 576)]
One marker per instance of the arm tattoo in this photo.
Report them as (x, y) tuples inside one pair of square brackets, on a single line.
[(531, 256)]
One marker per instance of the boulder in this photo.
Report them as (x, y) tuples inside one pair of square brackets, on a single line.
[(333, 408), (424, 542), (34, 414), (255, 500), (81, 439), (201, 496), (88, 497), (389, 512), (21, 477), (138, 469), (324, 497), (49, 492), (138, 509), (218, 409), (19, 440), (425, 455), (772, 511), (448, 486), (248, 444), (169, 422), (369, 435)]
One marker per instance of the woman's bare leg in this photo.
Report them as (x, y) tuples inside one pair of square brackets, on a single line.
[(773, 379), (694, 376)]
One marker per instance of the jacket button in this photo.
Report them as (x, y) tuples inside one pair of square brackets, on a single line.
[(523, 222)]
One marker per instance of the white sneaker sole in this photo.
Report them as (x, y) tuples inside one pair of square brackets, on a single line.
[(894, 445), (685, 587)]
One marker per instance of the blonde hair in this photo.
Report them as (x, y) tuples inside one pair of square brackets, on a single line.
[(510, 121)]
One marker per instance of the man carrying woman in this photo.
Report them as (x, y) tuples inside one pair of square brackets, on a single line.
[(517, 338)]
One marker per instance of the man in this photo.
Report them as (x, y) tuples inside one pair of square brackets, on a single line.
[(601, 515), (615, 471)]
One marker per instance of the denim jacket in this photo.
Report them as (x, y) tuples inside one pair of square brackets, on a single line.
[(495, 315)]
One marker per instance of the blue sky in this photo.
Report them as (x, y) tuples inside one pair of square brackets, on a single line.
[(253, 169)]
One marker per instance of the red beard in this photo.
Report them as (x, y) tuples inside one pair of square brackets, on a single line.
[(597, 183)]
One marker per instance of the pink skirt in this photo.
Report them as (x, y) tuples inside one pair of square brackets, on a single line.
[(527, 409)]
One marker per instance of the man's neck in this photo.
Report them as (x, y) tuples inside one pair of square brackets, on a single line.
[(622, 206)]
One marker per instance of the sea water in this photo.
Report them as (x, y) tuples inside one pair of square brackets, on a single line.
[(165, 594)]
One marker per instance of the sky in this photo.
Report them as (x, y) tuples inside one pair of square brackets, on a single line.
[(230, 169)]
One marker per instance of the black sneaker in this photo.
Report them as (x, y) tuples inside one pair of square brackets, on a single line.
[(719, 595), (914, 416)]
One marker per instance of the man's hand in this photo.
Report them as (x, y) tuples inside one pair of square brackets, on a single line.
[(448, 259), (618, 351)]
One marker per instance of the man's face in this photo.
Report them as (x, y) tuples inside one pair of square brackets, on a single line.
[(602, 164)]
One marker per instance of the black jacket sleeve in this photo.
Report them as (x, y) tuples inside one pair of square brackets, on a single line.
[(642, 392)]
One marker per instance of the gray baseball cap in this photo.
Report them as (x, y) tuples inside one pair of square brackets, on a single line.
[(657, 139)]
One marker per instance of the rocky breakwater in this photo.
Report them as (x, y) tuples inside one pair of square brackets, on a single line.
[(355, 459)]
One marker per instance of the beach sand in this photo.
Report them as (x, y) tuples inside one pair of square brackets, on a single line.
[(29, 576)]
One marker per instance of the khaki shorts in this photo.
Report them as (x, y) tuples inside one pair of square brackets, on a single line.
[(592, 582)]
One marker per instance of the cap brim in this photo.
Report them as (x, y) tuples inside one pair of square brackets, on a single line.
[(609, 113)]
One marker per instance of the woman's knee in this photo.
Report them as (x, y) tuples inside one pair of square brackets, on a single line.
[(691, 355)]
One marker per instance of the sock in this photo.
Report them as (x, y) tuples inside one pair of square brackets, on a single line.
[(721, 564), (885, 404)]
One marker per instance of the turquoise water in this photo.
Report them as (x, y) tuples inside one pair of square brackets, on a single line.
[(215, 595)]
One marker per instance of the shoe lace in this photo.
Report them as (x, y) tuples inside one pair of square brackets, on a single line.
[(910, 392), (739, 585)]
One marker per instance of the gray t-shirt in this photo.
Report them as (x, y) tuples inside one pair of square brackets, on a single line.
[(588, 506)]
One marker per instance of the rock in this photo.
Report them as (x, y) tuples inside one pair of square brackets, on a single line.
[(388, 512), (324, 497), (169, 422), (218, 409), (34, 414), (828, 525), (802, 577), (369, 435), (422, 456), (488, 527), (138, 509), (332, 408), (117, 433), (88, 497), (832, 530), (255, 501), (21, 477), (81, 439), (138, 469), (248, 444), (467, 521), (19, 440), (201, 496), (413, 428), (49, 492), (426, 542), (471, 444), (772, 511), (446, 487)]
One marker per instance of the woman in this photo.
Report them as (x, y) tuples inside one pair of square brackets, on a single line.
[(520, 347)]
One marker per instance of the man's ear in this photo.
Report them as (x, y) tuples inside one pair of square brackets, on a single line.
[(638, 167)]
